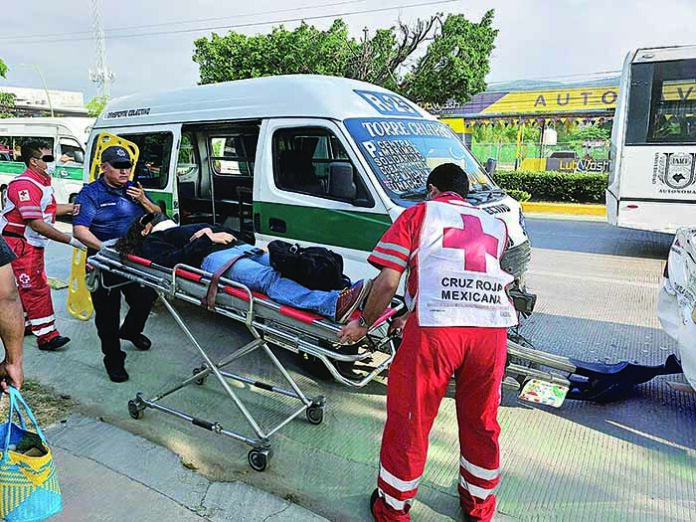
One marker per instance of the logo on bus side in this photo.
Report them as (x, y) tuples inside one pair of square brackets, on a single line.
[(674, 169)]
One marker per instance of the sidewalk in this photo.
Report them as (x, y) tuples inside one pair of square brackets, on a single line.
[(107, 473)]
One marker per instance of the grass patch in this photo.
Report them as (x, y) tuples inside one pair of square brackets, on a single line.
[(48, 406)]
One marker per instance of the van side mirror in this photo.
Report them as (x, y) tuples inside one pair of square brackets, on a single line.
[(491, 164), (341, 184)]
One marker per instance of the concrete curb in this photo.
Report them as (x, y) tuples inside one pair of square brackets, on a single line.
[(565, 208)]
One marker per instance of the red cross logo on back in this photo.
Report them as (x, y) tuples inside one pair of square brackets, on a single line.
[(473, 240)]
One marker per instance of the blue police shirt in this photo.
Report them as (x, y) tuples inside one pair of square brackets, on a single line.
[(105, 211)]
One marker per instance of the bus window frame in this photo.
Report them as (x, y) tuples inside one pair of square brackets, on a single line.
[(646, 85)]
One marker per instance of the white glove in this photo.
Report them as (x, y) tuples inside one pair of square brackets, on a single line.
[(75, 243)]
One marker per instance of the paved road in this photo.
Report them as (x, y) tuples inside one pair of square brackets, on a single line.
[(633, 459)]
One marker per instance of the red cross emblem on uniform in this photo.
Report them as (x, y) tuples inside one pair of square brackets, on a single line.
[(473, 240)]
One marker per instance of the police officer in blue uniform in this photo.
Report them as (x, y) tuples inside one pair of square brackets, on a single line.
[(106, 208)]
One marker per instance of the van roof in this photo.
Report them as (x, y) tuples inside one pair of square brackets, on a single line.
[(308, 96), (73, 126)]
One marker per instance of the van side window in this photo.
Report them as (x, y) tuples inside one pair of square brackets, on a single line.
[(152, 169), (70, 151), (234, 154), (302, 159), (12, 145), (187, 168)]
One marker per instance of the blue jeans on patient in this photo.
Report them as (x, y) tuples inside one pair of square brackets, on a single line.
[(255, 272)]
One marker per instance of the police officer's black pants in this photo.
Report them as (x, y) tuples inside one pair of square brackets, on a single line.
[(107, 307)]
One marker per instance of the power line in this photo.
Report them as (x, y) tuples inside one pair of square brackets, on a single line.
[(250, 24), (198, 20)]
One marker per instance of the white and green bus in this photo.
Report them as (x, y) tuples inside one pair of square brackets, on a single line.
[(652, 184), (307, 159), (66, 137)]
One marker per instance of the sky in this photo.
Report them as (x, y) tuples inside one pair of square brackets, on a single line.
[(538, 39)]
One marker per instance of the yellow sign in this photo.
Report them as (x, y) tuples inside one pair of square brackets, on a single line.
[(555, 101), (679, 90)]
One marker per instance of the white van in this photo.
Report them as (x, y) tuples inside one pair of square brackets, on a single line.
[(307, 159), (66, 137)]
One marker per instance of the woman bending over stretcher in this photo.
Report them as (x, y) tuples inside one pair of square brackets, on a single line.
[(159, 239)]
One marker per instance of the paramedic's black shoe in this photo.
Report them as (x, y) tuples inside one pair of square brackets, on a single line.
[(350, 299), (139, 341), (117, 374), (373, 499), (54, 344)]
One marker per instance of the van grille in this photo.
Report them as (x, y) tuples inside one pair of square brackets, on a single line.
[(515, 261)]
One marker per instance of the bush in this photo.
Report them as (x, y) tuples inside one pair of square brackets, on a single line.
[(555, 186), (519, 195)]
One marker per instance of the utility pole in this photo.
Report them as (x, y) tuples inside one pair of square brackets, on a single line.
[(101, 75)]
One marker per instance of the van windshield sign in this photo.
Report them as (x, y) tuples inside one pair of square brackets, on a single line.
[(402, 152), (388, 104)]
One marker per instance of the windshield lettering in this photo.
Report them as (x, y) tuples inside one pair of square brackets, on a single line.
[(403, 152)]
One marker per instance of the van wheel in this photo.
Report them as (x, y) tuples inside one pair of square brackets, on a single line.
[(3, 195), (72, 199)]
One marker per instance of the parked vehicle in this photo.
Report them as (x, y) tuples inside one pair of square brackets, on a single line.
[(307, 159), (652, 185), (64, 136)]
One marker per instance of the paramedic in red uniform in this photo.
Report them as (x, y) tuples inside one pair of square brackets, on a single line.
[(27, 222), (459, 315)]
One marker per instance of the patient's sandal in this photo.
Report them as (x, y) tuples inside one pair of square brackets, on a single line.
[(350, 299)]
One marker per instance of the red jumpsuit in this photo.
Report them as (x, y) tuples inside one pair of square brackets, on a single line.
[(30, 196), (458, 326)]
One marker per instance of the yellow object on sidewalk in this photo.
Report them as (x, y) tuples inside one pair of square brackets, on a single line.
[(79, 300)]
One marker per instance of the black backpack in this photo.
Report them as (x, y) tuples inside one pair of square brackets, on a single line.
[(316, 268)]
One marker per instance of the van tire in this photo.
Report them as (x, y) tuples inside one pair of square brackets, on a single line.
[(72, 198), (3, 195)]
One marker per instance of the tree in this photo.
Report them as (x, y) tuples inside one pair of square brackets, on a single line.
[(452, 66), (96, 105), (7, 99)]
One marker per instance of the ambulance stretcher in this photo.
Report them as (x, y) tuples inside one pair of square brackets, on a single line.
[(268, 322), (540, 377)]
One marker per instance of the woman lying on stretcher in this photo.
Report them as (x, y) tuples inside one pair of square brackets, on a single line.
[(159, 239)]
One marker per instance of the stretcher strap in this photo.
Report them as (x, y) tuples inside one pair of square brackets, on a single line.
[(208, 300)]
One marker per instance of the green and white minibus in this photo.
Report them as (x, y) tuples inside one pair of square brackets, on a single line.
[(66, 137), (308, 159), (652, 184)]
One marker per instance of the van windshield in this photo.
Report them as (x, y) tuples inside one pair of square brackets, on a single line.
[(402, 152)]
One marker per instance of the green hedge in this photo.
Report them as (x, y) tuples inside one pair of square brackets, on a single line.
[(519, 195), (556, 186)]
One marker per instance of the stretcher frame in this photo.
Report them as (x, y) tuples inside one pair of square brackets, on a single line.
[(268, 322)]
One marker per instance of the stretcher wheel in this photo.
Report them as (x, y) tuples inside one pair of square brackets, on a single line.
[(201, 381), (259, 458), (315, 414), (134, 410)]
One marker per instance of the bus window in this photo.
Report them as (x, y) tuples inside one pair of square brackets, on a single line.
[(662, 103)]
